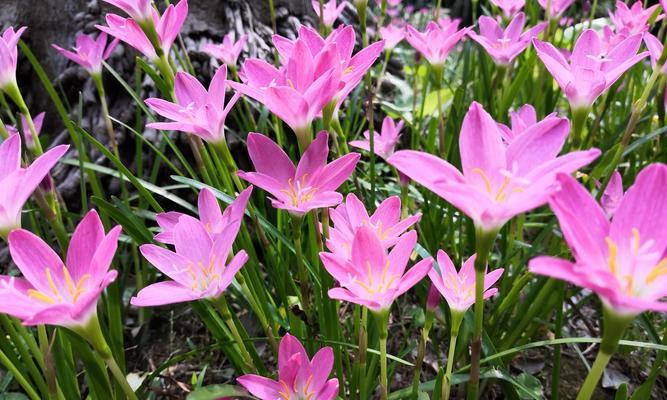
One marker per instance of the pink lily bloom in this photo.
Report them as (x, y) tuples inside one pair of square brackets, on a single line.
[(458, 288), (436, 42), (215, 221), (623, 261), (498, 181), (655, 49), (351, 68), (9, 56), (390, 3), (310, 185), (196, 111), (509, 7), (392, 36), (556, 8), (167, 26), (613, 194), (228, 51), (140, 10), (296, 93), (331, 11), (198, 268), (298, 376), (16, 183), (55, 293), (590, 70), (384, 142), (610, 39), (88, 52), (38, 120), (370, 277), (386, 221), (521, 120), (632, 20), (505, 45)]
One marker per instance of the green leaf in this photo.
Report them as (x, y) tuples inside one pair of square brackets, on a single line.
[(214, 392), (431, 102), (622, 392), (531, 385)]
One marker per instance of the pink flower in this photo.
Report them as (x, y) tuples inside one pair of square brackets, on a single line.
[(610, 39), (228, 51), (140, 10), (38, 120), (385, 141), (556, 7), (310, 185), (57, 293), (16, 183), (331, 11), (198, 268), (215, 222), (623, 261), (505, 45), (655, 49), (436, 42), (521, 120), (167, 26), (392, 36), (370, 277), (89, 53), (335, 51), (9, 56), (298, 376), (498, 181), (352, 215), (509, 7), (613, 194), (390, 3), (197, 111), (632, 20), (458, 288), (590, 70)]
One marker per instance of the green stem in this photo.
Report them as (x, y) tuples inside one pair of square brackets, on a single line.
[(382, 320), (579, 116), (457, 318), (555, 375), (428, 323), (613, 329), (11, 368), (483, 242), (14, 93), (222, 306), (297, 226), (362, 356)]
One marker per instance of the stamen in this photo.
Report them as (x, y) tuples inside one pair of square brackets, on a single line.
[(658, 271), (487, 182), (613, 252), (40, 296), (68, 279)]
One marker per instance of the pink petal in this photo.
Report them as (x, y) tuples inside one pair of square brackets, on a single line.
[(269, 159), (261, 387), (32, 256), (85, 240), (161, 293), (192, 241), (10, 155)]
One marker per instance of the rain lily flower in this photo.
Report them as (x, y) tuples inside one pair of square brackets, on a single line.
[(385, 141), (310, 185), (9, 56), (498, 180), (196, 111), (370, 277), (215, 221), (655, 49), (505, 45), (436, 42), (56, 293), (88, 52), (297, 93), (613, 194), (331, 11), (623, 261), (298, 376), (509, 7), (334, 51), (198, 268), (228, 51), (38, 120), (556, 8), (632, 20), (590, 70), (521, 120), (458, 288), (348, 217), (167, 26), (610, 39), (392, 36), (140, 10), (16, 183)]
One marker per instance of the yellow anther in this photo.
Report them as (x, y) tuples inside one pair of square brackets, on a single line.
[(40, 296), (613, 252), (68, 280), (635, 240), (49, 278), (289, 82), (658, 271), (487, 182), (348, 70), (501, 195)]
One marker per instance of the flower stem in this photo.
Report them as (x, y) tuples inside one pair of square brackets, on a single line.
[(613, 329), (14, 93), (484, 243), (222, 306), (457, 318), (362, 355), (297, 226), (382, 320), (428, 323)]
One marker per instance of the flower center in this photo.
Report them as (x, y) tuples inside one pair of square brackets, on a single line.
[(511, 184), (56, 295), (202, 276), (298, 192), (304, 394), (455, 284), (377, 287)]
